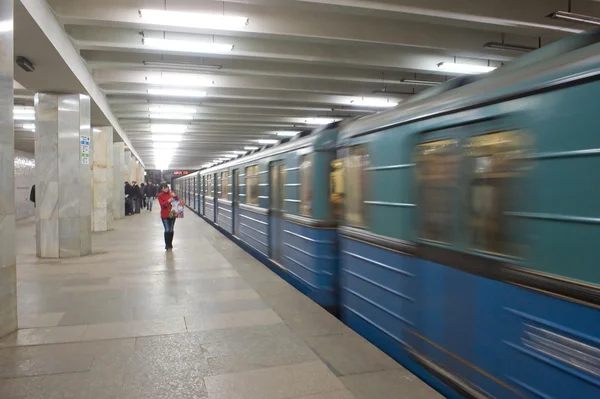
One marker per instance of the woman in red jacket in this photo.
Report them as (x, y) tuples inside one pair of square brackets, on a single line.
[(165, 197)]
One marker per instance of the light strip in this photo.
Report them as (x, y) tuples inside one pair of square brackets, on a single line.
[(464, 68), (420, 82), (320, 121), (186, 46), (239, 152), (176, 93), (509, 47), (287, 134), (24, 117), (182, 66), (171, 116), (168, 128), (165, 145), (182, 79), (374, 102), (23, 110), (182, 109), (192, 19), (166, 137), (29, 126), (267, 141), (571, 17), (251, 148)]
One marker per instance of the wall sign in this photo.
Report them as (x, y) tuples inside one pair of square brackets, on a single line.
[(85, 150)]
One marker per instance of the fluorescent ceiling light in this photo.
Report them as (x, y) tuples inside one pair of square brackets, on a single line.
[(374, 102), (251, 148), (168, 128), (187, 46), (171, 116), (165, 146), (21, 110), (509, 47), (181, 66), (166, 137), (24, 117), (571, 17), (464, 68), (286, 134), (182, 109), (29, 126), (320, 121), (96, 130), (267, 141), (239, 152), (6, 25), (176, 92), (420, 82), (192, 19), (180, 79)]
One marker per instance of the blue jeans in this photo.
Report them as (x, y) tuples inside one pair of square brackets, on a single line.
[(169, 225), (150, 201)]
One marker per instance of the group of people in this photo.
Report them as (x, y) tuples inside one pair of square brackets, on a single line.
[(142, 196), (139, 196)]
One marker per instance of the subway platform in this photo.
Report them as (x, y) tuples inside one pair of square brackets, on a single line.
[(204, 321)]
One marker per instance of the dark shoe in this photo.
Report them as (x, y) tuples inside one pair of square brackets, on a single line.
[(171, 240), (167, 240)]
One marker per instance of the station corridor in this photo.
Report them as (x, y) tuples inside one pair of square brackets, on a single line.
[(204, 321)]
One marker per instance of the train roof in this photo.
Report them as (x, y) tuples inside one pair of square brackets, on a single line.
[(323, 137), (534, 72)]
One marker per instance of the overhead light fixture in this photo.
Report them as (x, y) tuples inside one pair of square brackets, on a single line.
[(251, 148), (374, 102), (239, 152), (23, 110), (24, 117), (168, 128), (267, 141), (464, 68), (509, 47), (186, 79), (571, 17), (287, 134), (171, 116), (420, 82), (186, 46), (181, 66), (29, 126), (96, 130), (165, 146), (320, 121), (166, 137), (192, 19), (182, 109), (176, 93)]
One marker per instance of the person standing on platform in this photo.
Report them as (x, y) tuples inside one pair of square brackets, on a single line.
[(137, 198), (143, 192), (129, 193), (150, 195), (165, 197)]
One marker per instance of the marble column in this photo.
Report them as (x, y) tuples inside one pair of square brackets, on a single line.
[(63, 161), (102, 171), (8, 271), (118, 181), (127, 166)]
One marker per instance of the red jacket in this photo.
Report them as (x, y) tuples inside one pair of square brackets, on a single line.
[(165, 205)]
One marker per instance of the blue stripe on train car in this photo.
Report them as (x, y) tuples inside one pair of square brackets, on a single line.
[(254, 231), (310, 256), (508, 341), (224, 216)]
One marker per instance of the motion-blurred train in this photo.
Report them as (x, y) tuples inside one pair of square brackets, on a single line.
[(457, 232)]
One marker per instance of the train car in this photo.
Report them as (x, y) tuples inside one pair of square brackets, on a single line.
[(275, 203), (467, 247)]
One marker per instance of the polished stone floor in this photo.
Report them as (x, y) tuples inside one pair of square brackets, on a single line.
[(204, 321)]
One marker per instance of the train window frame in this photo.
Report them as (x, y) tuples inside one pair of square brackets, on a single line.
[(224, 185), (210, 189), (305, 178), (356, 198), (252, 179)]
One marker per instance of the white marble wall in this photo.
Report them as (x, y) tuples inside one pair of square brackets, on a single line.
[(127, 167), (24, 179), (63, 178), (118, 181), (8, 271), (102, 172)]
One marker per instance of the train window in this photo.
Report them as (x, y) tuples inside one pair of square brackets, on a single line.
[(306, 170), (336, 188), (252, 185), (210, 188), (437, 172), (224, 185), (494, 165), (356, 165)]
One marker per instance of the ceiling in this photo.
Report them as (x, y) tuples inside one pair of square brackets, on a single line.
[(294, 65)]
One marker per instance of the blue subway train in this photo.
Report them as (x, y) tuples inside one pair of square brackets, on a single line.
[(456, 232)]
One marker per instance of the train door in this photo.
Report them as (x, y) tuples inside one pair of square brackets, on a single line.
[(235, 201), (276, 184), (215, 195)]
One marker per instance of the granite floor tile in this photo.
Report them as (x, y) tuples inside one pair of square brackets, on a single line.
[(135, 329), (363, 358), (232, 319), (22, 387), (233, 306), (274, 383), (96, 315), (217, 296), (390, 384), (41, 336), (345, 394), (167, 311), (35, 320), (40, 360)]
